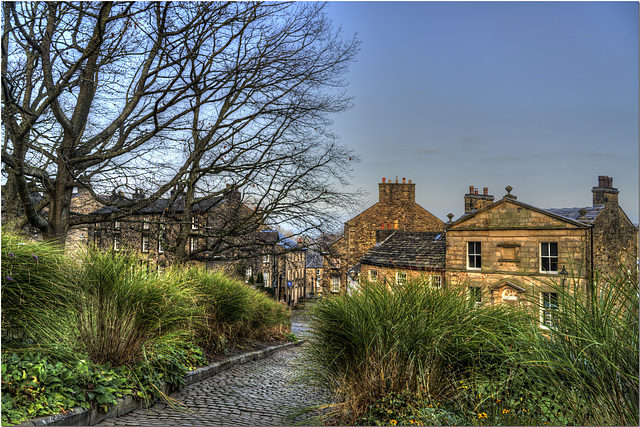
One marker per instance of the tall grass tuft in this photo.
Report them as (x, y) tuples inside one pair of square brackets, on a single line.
[(591, 353), (125, 306), (233, 311), (384, 338), (37, 297)]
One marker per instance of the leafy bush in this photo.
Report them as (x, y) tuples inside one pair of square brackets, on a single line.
[(124, 306), (32, 386), (37, 297)]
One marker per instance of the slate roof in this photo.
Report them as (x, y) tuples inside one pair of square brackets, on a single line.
[(314, 260), (273, 236), (164, 205), (574, 213), (409, 249)]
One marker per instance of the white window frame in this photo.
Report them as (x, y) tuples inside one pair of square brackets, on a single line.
[(193, 244), (194, 223), (335, 283), (267, 279), (549, 257), (145, 224), (473, 292), (116, 242), (160, 248), (373, 275), (145, 244), (435, 281), (476, 253), (116, 225), (401, 277), (265, 259), (546, 314)]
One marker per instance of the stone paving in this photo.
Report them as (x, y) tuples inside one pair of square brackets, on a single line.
[(262, 392)]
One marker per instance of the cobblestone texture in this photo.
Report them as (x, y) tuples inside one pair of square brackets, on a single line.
[(262, 392)]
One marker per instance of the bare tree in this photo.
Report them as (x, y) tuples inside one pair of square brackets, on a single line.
[(112, 96)]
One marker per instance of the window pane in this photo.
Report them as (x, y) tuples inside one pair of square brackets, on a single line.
[(553, 249), (545, 249)]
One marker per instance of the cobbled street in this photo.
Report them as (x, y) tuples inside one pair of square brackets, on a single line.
[(262, 392)]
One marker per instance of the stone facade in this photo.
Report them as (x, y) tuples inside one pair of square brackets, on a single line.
[(396, 209), (314, 273), (509, 251)]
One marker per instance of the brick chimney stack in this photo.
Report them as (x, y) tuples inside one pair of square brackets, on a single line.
[(397, 193), (474, 201), (604, 193)]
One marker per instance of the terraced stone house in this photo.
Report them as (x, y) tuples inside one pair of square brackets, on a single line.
[(396, 210)]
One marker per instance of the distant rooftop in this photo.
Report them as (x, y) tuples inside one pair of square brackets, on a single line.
[(408, 249)]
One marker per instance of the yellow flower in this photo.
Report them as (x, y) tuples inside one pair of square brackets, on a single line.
[(482, 415), (505, 411), (393, 422)]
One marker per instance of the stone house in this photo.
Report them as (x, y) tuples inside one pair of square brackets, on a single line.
[(511, 252), (222, 235), (403, 255), (314, 273), (282, 262), (153, 230), (396, 210)]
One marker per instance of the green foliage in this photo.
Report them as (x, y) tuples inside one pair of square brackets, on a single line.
[(125, 306), (32, 386), (591, 354), (62, 333), (291, 337), (260, 278), (384, 339), (37, 297), (233, 311), (415, 356)]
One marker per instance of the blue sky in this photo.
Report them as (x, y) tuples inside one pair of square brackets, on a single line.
[(542, 96)]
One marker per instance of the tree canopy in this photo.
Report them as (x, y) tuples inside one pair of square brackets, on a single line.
[(193, 96)]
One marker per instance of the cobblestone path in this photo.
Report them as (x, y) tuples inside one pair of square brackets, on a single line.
[(261, 392)]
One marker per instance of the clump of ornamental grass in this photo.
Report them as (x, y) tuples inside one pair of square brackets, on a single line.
[(233, 311), (384, 338), (37, 297), (125, 305), (590, 353)]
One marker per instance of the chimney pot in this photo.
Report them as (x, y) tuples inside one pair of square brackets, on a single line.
[(409, 181), (403, 181), (471, 189), (485, 190), (476, 191), (383, 180), (396, 179)]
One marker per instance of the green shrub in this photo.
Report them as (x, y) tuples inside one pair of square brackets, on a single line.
[(591, 354), (383, 339), (233, 311), (33, 386), (124, 306), (37, 297)]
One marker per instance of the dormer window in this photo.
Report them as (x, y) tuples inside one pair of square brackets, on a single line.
[(194, 223), (145, 223), (116, 225)]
